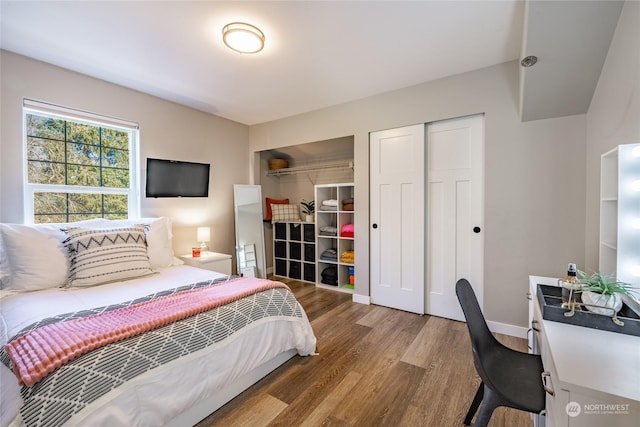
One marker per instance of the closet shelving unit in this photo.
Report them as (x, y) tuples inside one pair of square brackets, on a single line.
[(294, 253), (609, 211), (333, 218)]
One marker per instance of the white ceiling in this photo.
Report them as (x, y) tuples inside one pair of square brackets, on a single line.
[(317, 54), (571, 40)]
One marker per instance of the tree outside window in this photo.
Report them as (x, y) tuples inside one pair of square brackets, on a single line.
[(77, 170)]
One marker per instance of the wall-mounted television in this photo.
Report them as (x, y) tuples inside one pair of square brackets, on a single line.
[(172, 178)]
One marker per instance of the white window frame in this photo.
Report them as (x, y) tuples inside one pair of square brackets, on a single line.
[(56, 111)]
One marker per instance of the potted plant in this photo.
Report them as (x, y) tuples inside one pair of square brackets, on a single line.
[(603, 291), (308, 208)]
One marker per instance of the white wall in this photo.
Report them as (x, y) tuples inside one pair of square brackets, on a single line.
[(167, 130), (614, 115), (534, 183)]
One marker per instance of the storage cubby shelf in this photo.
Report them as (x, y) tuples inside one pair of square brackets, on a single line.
[(338, 272), (294, 250)]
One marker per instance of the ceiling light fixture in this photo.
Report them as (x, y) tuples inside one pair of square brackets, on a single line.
[(243, 37), (529, 61)]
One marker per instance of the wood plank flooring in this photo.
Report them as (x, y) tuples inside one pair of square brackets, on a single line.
[(376, 367)]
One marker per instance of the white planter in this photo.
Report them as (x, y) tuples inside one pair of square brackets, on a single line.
[(308, 218), (614, 301)]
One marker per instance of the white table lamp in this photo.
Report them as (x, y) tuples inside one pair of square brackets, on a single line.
[(204, 237)]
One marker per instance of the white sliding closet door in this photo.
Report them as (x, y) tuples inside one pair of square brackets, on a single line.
[(426, 215), (455, 204), (397, 216)]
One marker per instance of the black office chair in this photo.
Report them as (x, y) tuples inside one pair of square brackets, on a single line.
[(509, 377)]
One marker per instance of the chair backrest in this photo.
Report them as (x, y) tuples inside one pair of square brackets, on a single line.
[(483, 343)]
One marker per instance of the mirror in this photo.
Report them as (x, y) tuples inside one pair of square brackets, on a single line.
[(628, 204), (620, 213), (250, 256)]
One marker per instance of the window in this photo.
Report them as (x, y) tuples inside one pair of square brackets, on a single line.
[(78, 165)]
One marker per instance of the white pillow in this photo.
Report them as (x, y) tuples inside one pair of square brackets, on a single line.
[(35, 256), (159, 242), (283, 213), (98, 256), (4, 264)]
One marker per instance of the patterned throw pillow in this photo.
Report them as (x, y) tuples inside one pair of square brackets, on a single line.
[(284, 213), (270, 202), (99, 256)]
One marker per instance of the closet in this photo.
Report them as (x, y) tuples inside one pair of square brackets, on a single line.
[(292, 247)]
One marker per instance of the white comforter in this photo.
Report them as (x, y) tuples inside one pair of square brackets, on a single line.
[(161, 394)]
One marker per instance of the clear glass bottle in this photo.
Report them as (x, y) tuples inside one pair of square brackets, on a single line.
[(571, 287)]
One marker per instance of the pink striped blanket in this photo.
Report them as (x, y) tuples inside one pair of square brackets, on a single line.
[(41, 351)]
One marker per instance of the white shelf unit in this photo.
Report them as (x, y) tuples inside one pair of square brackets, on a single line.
[(294, 252), (333, 218), (608, 212)]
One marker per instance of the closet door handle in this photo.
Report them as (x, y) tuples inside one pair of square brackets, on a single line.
[(476, 229), (375, 225)]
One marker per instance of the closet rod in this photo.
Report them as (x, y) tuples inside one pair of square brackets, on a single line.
[(310, 168)]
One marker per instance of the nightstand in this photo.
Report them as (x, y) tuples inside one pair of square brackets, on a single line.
[(213, 261)]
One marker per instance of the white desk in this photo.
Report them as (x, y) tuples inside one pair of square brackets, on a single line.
[(213, 261), (598, 370)]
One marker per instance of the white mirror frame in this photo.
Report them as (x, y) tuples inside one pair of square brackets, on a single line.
[(249, 230)]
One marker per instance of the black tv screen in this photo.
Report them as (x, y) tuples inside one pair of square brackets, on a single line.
[(172, 178)]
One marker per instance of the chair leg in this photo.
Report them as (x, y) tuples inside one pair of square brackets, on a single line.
[(490, 402), (474, 405)]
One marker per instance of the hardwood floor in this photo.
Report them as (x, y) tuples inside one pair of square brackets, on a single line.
[(376, 367)]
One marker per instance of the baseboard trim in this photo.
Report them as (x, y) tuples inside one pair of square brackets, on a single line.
[(361, 299), (506, 329)]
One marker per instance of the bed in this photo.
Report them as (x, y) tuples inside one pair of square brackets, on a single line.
[(175, 374)]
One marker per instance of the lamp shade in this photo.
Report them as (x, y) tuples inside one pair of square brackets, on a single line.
[(204, 234)]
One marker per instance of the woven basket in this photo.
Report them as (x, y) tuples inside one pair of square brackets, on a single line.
[(278, 164)]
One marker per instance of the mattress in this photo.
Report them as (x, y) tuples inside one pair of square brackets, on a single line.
[(163, 393)]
